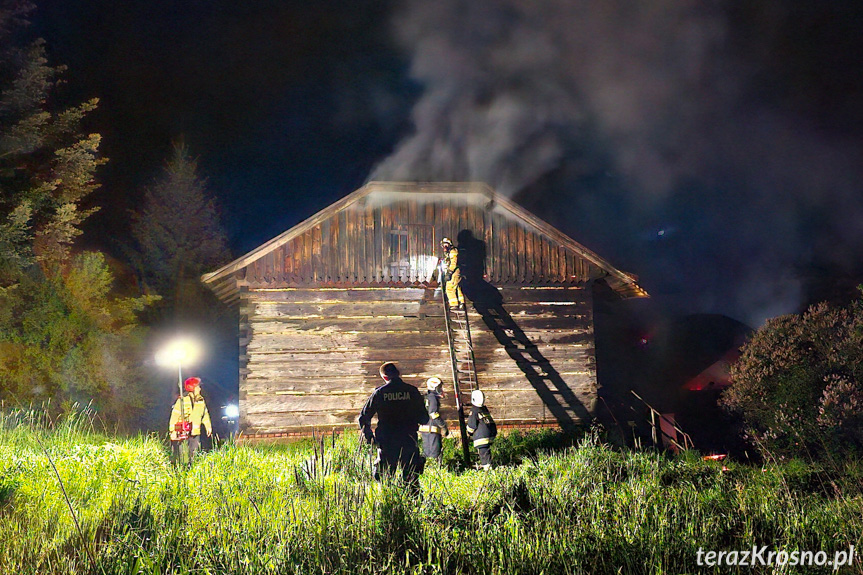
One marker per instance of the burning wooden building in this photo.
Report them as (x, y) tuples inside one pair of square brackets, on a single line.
[(324, 304)]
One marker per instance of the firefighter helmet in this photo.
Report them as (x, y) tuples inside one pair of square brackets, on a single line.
[(389, 371), (477, 398), (433, 383), (445, 242), (191, 383)]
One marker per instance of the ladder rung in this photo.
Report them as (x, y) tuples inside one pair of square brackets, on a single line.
[(461, 348)]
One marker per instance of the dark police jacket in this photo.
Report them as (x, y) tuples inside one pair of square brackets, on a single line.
[(400, 410), (434, 423), (481, 426)]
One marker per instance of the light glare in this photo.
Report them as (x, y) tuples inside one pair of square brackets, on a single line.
[(181, 351)]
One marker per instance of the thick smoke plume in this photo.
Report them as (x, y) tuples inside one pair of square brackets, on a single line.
[(681, 139)]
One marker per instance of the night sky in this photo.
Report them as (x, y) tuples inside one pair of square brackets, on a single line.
[(711, 148)]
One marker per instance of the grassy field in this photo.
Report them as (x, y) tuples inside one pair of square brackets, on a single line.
[(76, 501)]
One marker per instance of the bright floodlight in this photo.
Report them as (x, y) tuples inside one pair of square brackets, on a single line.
[(178, 352), (232, 411)]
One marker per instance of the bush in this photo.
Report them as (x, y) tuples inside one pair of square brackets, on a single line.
[(797, 385)]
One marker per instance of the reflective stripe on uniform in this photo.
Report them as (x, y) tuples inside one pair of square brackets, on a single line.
[(470, 429), (429, 429), (434, 415), (482, 441)]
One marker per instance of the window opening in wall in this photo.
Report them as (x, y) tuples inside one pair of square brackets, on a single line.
[(412, 255)]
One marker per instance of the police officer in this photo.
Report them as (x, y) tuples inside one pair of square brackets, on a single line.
[(188, 415), (400, 410), (435, 428), (482, 427), (454, 295)]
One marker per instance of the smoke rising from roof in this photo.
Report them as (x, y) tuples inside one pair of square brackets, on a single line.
[(705, 118)]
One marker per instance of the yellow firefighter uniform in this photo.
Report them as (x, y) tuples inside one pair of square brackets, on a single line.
[(454, 295), (196, 412)]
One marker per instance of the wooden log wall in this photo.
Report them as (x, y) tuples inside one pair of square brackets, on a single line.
[(310, 357)]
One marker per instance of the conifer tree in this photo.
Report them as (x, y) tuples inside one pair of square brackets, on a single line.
[(179, 235), (47, 167)]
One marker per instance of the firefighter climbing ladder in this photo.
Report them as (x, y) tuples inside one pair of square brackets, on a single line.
[(462, 360)]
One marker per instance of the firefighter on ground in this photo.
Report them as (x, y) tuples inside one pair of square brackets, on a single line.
[(187, 417), (481, 427), (452, 275), (435, 428), (400, 410)]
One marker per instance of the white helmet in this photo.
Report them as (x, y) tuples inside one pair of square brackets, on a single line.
[(433, 383), (477, 398)]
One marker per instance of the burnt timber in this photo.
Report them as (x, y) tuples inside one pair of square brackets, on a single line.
[(325, 303)]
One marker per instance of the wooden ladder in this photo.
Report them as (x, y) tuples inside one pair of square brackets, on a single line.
[(462, 361)]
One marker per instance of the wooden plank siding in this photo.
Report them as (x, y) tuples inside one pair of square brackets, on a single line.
[(359, 246), (313, 354)]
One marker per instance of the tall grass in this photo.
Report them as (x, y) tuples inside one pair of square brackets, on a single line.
[(240, 509)]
